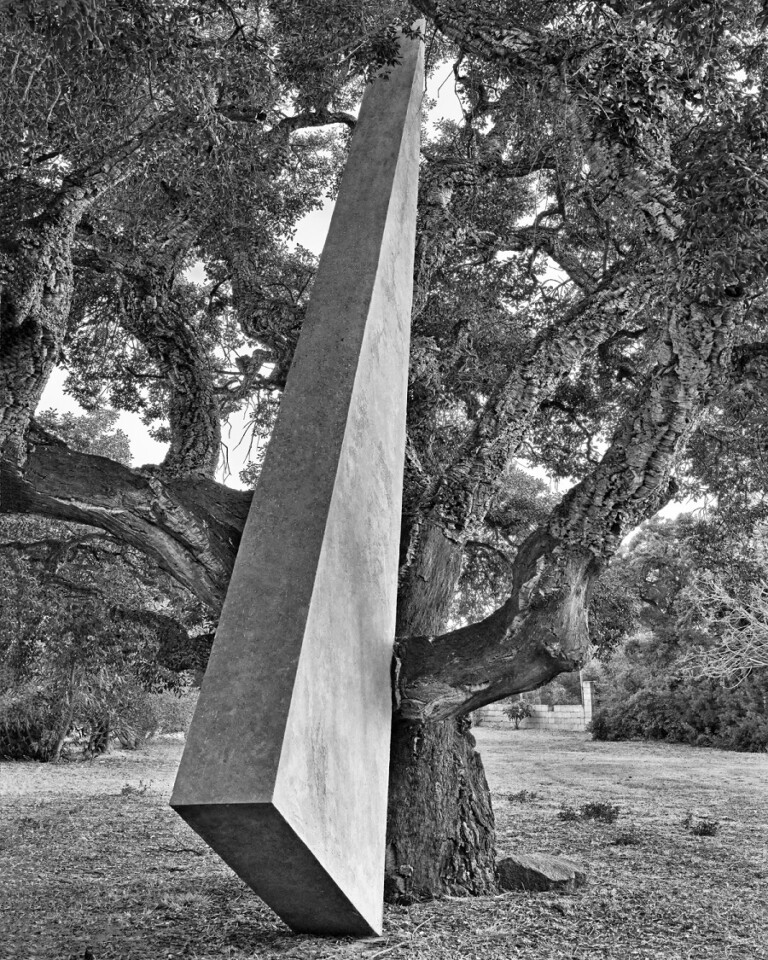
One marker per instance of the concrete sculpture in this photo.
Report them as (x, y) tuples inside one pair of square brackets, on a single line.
[(284, 772)]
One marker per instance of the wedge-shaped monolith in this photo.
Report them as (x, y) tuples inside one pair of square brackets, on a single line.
[(284, 772)]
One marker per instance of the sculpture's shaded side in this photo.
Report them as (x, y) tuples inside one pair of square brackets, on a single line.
[(284, 772)]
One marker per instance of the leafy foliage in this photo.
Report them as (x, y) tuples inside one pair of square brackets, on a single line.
[(664, 680), (516, 711), (83, 622), (91, 432), (522, 504)]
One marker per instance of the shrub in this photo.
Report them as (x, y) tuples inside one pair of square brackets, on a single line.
[(517, 710), (77, 666), (701, 826), (627, 838), (128, 790), (32, 721), (605, 812), (30, 725), (642, 697), (523, 796), (173, 712), (144, 715)]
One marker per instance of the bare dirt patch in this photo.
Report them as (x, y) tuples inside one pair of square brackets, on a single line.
[(94, 863)]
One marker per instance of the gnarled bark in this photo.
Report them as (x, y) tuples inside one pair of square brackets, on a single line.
[(190, 527), (35, 296), (440, 825), (541, 630), (151, 312)]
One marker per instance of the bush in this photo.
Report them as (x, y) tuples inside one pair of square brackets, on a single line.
[(173, 712), (30, 723), (660, 681), (643, 697), (75, 664), (517, 710), (604, 812), (148, 715), (522, 796), (630, 837), (701, 826)]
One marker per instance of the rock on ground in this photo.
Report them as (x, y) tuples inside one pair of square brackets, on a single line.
[(539, 871)]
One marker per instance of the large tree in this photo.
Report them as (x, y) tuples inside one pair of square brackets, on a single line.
[(591, 255)]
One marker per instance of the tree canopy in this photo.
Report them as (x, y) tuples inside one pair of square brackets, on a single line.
[(588, 284), (589, 287)]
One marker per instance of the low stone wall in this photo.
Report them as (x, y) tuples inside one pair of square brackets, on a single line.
[(559, 717), (492, 716), (543, 717)]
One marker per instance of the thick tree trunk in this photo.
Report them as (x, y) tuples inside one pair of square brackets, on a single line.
[(436, 758), (428, 578), (152, 309), (440, 825), (35, 295)]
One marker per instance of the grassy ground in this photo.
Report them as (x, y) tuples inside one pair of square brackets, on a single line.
[(93, 863)]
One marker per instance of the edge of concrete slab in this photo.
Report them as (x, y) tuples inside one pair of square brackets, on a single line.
[(256, 841)]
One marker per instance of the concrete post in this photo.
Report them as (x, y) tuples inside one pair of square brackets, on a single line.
[(285, 768), (587, 699)]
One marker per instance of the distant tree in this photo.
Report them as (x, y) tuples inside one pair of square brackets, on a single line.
[(693, 634), (733, 613), (516, 711)]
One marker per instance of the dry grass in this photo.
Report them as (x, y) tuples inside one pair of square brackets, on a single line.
[(90, 868)]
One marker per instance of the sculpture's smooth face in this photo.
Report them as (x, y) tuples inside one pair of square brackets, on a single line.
[(285, 769)]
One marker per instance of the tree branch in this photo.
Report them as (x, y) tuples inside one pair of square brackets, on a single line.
[(190, 527), (542, 628)]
